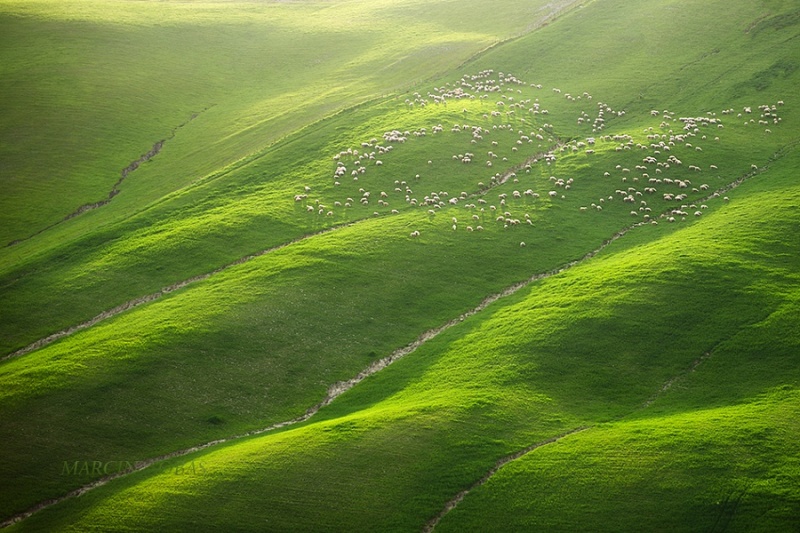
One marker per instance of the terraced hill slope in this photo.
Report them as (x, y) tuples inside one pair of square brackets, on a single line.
[(554, 288)]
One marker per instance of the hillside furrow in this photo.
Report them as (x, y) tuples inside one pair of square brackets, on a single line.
[(144, 158), (132, 166), (110, 313), (451, 504), (670, 382), (557, 10)]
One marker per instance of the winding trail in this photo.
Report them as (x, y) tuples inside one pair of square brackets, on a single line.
[(453, 502), (551, 12), (670, 382), (158, 294), (450, 505), (341, 387), (147, 156)]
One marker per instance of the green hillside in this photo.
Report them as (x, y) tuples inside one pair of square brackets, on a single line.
[(400, 265)]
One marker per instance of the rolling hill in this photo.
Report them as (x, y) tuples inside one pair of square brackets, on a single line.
[(400, 265)]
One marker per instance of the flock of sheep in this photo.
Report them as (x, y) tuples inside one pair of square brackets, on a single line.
[(655, 176)]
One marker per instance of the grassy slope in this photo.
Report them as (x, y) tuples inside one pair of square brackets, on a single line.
[(719, 448), (387, 454), (249, 318), (103, 85), (208, 150), (732, 467), (36, 289), (269, 360), (445, 418)]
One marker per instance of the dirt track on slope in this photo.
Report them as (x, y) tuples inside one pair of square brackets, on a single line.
[(147, 156), (452, 503), (136, 302)]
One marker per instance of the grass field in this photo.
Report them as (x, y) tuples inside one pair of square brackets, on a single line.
[(105, 84), (585, 237)]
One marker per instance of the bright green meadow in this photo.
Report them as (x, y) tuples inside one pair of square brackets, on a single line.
[(400, 265)]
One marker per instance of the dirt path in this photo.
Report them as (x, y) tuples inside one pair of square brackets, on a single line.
[(156, 295), (147, 156), (669, 383), (546, 15), (450, 505)]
